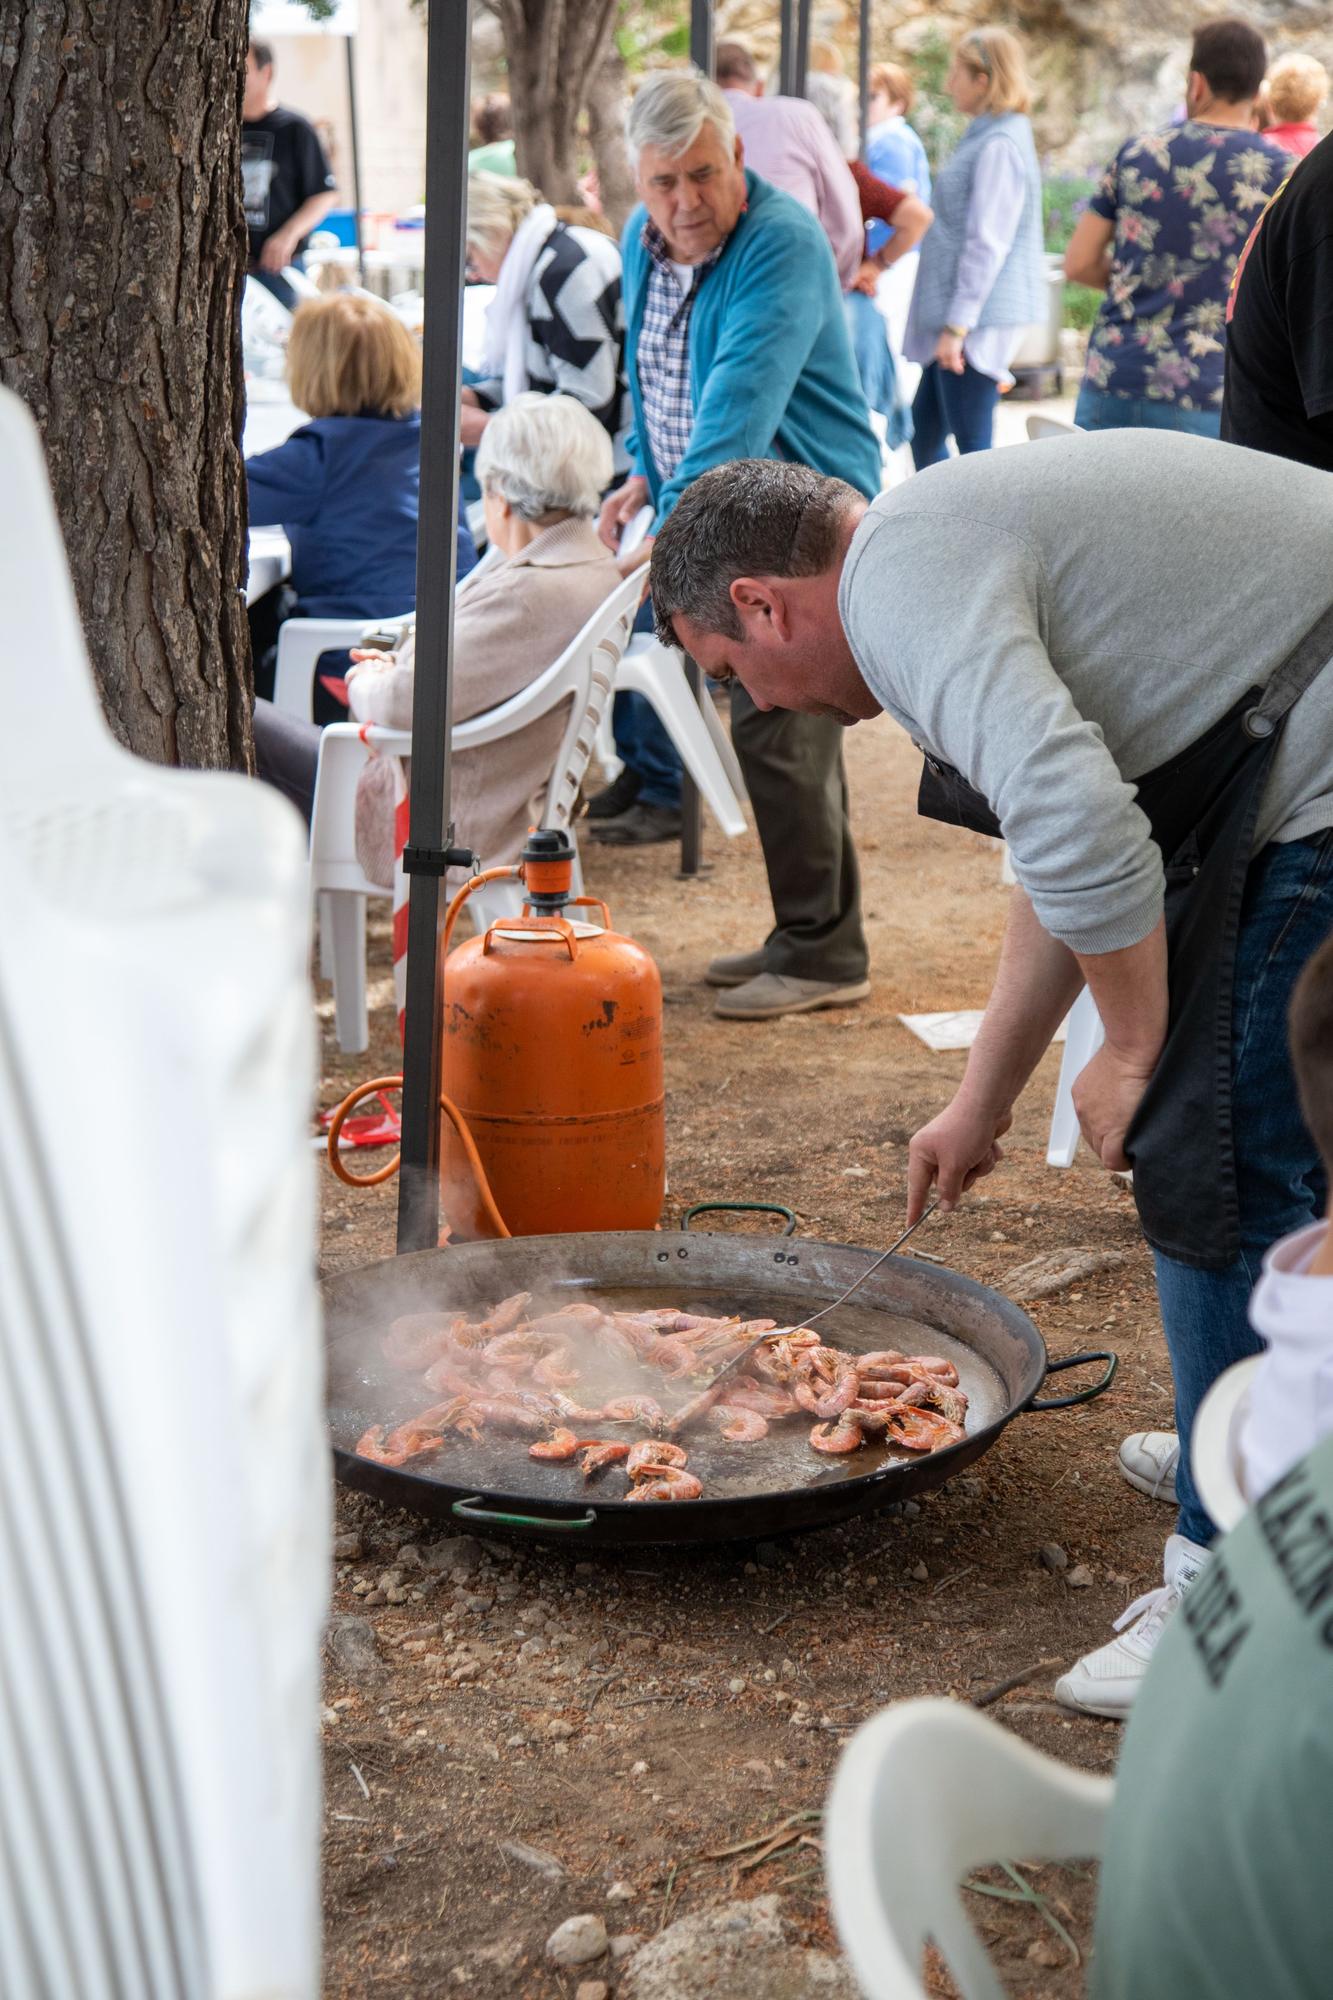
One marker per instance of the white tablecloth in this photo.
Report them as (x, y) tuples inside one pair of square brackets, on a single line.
[(270, 561)]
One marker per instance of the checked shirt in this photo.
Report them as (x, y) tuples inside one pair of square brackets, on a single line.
[(663, 357)]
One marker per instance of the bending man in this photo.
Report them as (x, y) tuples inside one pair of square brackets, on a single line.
[(1109, 650)]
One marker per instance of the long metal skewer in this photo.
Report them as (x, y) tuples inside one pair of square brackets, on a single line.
[(697, 1405), (870, 1269)]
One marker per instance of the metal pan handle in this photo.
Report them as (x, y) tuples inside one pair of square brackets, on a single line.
[(1080, 1395), (490, 1517), (741, 1208)]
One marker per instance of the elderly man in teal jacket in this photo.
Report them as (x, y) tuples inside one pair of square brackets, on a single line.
[(737, 348)]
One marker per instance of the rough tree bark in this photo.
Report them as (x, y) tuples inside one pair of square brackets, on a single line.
[(121, 258), (553, 49), (608, 93)]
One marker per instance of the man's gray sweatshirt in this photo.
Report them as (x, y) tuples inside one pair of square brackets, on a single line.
[(1057, 619)]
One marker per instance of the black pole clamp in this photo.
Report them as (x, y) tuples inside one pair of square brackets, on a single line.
[(439, 860)]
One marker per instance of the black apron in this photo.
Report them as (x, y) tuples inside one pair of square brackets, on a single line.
[(1202, 808)]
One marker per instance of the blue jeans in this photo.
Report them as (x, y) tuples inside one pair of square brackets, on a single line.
[(641, 741), (1288, 912), (961, 407), (1099, 410)]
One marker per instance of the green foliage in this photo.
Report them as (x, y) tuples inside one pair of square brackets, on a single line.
[(939, 125), (320, 10), (1063, 199)]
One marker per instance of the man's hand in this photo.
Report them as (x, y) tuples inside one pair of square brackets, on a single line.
[(620, 507), (951, 1152), (472, 421), (278, 250), (1106, 1096), (949, 353)]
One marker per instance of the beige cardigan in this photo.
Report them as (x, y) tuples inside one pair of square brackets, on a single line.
[(513, 621)]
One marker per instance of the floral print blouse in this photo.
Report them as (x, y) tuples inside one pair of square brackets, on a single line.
[(1182, 202)]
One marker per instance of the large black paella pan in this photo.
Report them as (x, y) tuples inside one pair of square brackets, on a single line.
[(775, 1487)]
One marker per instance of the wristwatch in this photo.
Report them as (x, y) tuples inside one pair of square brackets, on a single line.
[(958, 332)]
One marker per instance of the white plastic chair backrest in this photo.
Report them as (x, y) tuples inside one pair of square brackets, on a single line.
[(164, 1491), (1050, 427), (47, 687), (594, 657), (636, 531), (925, 1792)]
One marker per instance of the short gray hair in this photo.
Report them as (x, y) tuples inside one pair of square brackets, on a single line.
[(671, 109), (834, 98), (496, 204), (545, 455), (754, 517)]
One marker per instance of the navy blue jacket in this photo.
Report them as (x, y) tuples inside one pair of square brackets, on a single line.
[(344, 491)]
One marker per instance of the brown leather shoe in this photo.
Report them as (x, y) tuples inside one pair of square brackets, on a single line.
[(773, 994), (641, 826)]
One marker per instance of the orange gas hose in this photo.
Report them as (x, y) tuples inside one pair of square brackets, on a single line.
[(456, 1119), (449, 1108)]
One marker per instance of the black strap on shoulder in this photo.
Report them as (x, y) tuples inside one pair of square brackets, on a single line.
[(1302, 666)]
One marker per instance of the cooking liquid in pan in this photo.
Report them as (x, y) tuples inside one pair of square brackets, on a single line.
[(373, 1392)]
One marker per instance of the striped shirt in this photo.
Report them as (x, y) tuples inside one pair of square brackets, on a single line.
[(663, 356)]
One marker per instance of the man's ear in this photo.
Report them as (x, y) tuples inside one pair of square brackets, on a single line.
[(739, 154), (762, 605)]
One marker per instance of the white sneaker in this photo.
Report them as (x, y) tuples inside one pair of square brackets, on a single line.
[(1106, 1682), (1148, 1460)]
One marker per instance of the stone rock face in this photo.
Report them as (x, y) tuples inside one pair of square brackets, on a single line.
[(740, 1950), (1103, 69)]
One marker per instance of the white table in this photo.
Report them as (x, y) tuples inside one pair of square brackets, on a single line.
[(270, 561)]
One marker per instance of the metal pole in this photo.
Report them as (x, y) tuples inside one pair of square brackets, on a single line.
[(691, 805), (701, 35), (356, 164), (428, 854), (794, 59), (863, 68)]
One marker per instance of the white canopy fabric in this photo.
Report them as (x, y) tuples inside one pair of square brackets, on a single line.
[(270, 19)]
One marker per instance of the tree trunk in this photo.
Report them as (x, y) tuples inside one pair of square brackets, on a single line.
[(552, 48), (121, 221), (608, 93)]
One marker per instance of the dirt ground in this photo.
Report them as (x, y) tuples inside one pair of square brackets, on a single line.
[(634, 1717)]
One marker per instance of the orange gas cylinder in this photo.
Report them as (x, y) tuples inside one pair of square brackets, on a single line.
[(552, 1053)]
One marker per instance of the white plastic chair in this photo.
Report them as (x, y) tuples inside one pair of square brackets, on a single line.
[(703, 745), (1050, 427), (302, 640), (925, 1792), (1084, 1035), (164, 1488), (582, 676), (1215, 1436)]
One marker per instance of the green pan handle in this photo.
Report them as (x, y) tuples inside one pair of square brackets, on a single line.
[(1103, 1381), (489, 1517), (741, 1208)]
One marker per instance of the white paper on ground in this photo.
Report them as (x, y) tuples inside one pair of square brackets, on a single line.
[(954, 1031)]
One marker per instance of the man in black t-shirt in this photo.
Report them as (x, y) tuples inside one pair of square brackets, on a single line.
[(1279, 370), (288, 186)]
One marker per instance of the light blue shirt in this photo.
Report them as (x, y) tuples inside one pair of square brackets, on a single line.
[(896, 154)]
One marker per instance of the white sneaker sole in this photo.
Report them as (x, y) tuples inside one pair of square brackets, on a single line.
[(1152, 1489)]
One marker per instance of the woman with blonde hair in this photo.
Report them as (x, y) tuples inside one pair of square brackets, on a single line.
[(556, 321), (343, 487), (983, 276)]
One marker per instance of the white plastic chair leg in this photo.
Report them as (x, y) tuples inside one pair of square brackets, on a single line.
[(1084, 1035), (324, 933), (724, 746), (347, 950), (658, 675)]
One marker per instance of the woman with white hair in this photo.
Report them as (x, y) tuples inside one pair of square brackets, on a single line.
[(543, 464), (556, 321)]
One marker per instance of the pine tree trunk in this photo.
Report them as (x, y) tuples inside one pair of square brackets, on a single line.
[(608, 94), (123, 254), (552, 50)]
